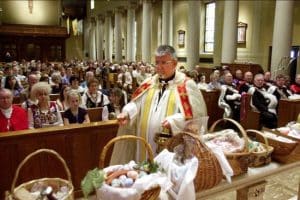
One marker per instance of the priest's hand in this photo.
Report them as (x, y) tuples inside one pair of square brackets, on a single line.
[(166, 124), (123, 118)]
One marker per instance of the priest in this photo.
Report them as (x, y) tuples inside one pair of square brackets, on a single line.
[(161, 104)]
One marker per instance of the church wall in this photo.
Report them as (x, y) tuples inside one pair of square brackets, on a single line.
[(44, 12), (180, 17)]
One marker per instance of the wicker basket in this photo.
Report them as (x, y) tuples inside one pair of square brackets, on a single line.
[(284, 152), (258, 159), (209, 172), (239, 162), (53, 181), (150, 194)]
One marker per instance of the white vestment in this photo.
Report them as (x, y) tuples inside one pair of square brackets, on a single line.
[(157, 111)]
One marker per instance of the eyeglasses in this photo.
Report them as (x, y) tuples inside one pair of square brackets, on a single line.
[(163, 62)]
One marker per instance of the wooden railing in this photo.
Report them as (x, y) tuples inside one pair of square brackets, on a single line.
[(80, 145), (288, 110)]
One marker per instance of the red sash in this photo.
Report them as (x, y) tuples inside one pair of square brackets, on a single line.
[(181, 88)]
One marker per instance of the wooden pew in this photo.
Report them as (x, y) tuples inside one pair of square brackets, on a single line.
[(213, 110), (249, 118), (80, 146), (95, 114), (288, 110)]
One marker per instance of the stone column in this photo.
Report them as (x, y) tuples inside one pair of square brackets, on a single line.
[(219, 13), (159, 32), (100, 37), (86, 29), (255, 48), (108, 37), (130, 54), (229, 41), (193, 34), (118, 36), (167, 21), (146, 31), (92, 40), (282, 35)]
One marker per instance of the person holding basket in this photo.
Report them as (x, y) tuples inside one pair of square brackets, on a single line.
[(161, 104)]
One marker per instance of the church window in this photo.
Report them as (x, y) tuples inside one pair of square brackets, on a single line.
[(209, 27)]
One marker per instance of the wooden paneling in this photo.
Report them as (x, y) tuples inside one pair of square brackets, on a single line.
[(79, 145), (249, 118), (213, 110), (288, 110), (244, 67), (33, 30), (31, 42)]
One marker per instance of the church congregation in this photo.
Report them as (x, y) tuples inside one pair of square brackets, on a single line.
[(95, 71)]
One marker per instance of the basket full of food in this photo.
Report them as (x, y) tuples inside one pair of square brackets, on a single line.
[(131, 181), (286, 147), (234, 144), (260, 151), (186, 145), (44, 188)]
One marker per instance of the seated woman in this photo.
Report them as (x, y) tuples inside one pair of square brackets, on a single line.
[(12, 117), (45, 113), (56, 84), (74, 84), (92, 97), (117, 102), (12, 84), (214, 83), (202, 85), (62, 100), (75, 114)]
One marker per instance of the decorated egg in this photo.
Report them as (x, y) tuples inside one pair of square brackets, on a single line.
[(132, 174), (128, 182), (116, 183)]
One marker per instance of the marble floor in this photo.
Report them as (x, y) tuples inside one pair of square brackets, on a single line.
[(281, 187)]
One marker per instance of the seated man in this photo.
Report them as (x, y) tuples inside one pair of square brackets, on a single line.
[(281, 91), (264, 102), (12, 117), (230, 98), (295, 88), (246, 83)]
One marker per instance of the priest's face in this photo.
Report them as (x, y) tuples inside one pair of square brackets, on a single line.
[(165, 66)]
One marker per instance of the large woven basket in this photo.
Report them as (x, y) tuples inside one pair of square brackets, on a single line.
[(260, 158), (150, 194), (284, 152), (209, 172), (53, 181), (239, 162)]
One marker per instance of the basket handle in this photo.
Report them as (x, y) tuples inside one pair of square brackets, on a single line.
[(262, 135), (50, 151), (125, 137), (242, 130)]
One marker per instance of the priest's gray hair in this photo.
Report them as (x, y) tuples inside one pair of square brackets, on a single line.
[(166, 49)]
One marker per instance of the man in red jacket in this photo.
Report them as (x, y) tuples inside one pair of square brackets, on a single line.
[(295, 88), (12, 117)]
